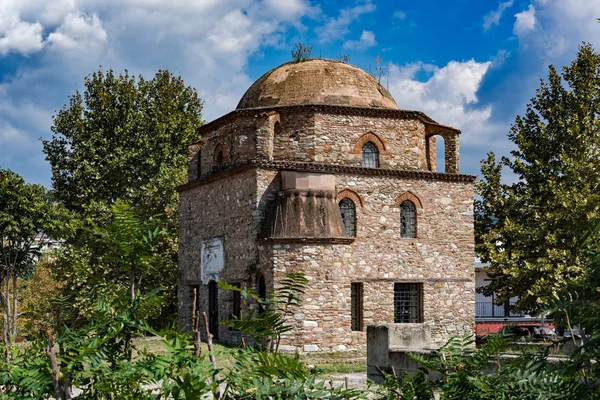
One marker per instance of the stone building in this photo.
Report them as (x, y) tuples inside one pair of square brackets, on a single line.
[(317, 169)]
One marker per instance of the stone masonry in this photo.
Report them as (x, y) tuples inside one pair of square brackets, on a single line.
[(235, 179)]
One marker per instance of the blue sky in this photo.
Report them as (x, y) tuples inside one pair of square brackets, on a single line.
[(469, 64)]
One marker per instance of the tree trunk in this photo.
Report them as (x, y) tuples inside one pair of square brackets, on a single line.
[(13, 332), (58, 391), (5, 335), (8, 311)]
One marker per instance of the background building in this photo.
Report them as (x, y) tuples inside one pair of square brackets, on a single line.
[(318, 170)]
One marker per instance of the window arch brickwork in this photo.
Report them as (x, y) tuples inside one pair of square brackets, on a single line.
[(408, 196), (352, 195), (369, 137)]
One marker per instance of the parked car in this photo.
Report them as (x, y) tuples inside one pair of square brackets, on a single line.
[(576, 332), (535, 333)]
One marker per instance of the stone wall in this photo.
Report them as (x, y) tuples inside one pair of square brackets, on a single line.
[(236, 138), (331, 138), (441, 258), (223, 208), (315, 135)]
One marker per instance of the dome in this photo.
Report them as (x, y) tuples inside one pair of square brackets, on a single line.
[(317, 81)]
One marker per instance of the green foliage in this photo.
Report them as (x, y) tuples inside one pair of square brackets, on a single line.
[(37, 294), (266, 327), (26, 219), (529, 230), (122, 139), (131, 243), (460, 371)]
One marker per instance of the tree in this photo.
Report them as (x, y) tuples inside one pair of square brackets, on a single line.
[(529, 230), (26, 220), (132, 243), (122, 139)]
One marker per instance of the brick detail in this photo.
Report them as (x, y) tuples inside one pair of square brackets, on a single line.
[(369, 137), (352, 195), (408, 196)]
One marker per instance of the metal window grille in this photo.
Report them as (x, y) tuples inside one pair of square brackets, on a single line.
[(356, 294), (348, 210), (407, 302), (408, 219), (370, 155)]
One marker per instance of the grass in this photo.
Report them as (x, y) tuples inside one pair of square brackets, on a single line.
[(324, 365)]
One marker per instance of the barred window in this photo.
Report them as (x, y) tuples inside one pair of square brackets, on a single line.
[(408, 299), (370, 155), (348, 210), (408, 219), (356, 294)]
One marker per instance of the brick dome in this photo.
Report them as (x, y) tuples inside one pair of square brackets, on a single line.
[(317, 81)]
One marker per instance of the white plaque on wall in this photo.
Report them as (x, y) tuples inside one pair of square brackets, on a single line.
[(211, 260)]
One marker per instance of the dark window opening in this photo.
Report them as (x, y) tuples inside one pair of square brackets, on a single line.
[(219, 158), (236, 304), (408, 219), (213, 309), (408, 300), (277, 128), (236, 307), (356, 295), (262, 293), (199, 166), (370, 155), (348, 210)]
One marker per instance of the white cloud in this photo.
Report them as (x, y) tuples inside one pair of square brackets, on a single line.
[(367, 39), (448, 95), (17, 35), (337, 28), (493, 18), (399, 14), (78, 32), (525, 21), (207, 42)]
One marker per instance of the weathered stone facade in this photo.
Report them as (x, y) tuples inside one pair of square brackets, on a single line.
[(235, 181)]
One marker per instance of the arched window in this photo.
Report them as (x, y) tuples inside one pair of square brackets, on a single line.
[(370, 155), (408, 219), (219, 157), (348, 210)]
